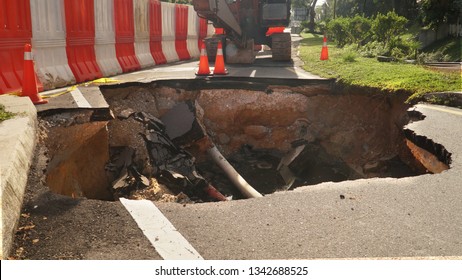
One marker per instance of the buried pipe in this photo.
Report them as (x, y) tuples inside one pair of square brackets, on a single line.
[(245, 188)]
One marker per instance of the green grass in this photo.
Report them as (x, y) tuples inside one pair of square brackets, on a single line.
[(4, 115), (368, 72)]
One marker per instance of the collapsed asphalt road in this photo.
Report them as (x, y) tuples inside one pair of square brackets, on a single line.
[(375, 218)]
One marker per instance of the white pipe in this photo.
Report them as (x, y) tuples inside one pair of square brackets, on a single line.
[(244, 187)]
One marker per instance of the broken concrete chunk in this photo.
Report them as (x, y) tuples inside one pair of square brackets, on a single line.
[(125, 114), (173, 166), (121, 158), (150, 121)]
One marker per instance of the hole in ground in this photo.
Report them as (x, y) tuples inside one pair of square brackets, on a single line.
[(277, 137)]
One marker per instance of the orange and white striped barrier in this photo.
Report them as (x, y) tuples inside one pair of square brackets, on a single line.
[(80, 40)]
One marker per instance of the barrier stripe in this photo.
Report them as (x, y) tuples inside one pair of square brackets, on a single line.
[(165, 238), (15, 32), (105, 49), (168, 31), (155, 32), (49, 43), (80, 40), (193, 26), (203, 31), (125, 35), (142, 48), (181, 32)]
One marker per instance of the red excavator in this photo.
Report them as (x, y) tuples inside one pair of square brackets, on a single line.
[(249, 22)]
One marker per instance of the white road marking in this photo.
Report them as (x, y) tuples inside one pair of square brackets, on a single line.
[(169, 243), (441, 109), (252, 75), (80, 99)]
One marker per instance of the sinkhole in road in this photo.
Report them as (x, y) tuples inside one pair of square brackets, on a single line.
[(277, 136)]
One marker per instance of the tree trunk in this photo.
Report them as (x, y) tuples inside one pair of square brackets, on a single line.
[(312, 16), (335, 4)]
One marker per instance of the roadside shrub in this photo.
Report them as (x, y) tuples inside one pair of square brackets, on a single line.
[(380, 36), (360, 30), (403, 49), (373, 49), (349, 56), (339, 30), (387, 27), (432, 57), (321, 27), (350, 53)]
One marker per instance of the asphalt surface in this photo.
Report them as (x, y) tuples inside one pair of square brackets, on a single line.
[(262, 68), (416, 217)]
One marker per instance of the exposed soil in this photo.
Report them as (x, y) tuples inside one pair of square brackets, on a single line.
[(57, 227)]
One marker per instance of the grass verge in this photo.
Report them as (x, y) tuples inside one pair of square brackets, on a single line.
[(368, 72)]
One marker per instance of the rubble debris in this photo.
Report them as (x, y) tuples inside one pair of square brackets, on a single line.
[(171, 166), (125, 114), (123, 174), (158, 192), (169, 161)]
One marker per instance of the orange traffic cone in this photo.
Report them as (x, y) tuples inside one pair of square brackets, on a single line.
[(324, 51), (29, 81), (204, 68), (220, 62)]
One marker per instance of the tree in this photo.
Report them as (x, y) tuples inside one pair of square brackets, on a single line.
[(371, 8), (386, 27), (312, 15), (437, 12)]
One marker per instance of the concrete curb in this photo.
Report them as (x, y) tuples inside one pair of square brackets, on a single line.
[(17, 143)]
